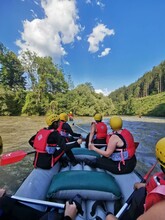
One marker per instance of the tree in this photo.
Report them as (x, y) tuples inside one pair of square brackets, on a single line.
[(11, 70)]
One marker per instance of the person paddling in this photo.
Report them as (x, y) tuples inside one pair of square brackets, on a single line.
[(119, 155), (149, 197), (98, 132), (11, 209), (50, 145), (66, 131)]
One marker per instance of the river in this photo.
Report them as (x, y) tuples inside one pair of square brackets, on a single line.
[(16, 132)]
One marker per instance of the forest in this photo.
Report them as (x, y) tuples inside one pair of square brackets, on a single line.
[(33, 85)]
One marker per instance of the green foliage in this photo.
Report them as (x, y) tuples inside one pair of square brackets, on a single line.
[(47, 91), (151, 106), (152, 82), (35, 105), (11, 70), (11, 102)]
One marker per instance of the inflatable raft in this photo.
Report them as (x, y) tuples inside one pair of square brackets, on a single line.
[(100, 190)]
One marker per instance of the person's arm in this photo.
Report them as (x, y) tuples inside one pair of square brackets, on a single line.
[(31, 141), (69, 130), (156, 212), (61, 141), (92, 132), (2, 192), (139, 185), (110, 148)]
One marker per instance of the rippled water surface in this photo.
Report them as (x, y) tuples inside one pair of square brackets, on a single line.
[(16, 131)]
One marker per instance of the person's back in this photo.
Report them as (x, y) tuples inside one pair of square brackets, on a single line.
[(98, 132), (115, 158), (50, 145), (65, 129)]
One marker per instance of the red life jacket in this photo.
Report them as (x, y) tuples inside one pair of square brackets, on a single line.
[(101, 130), (130, 145), (155, 190), (61, 130), (128, 140), (40, 143), (126, 151), (40, 140)]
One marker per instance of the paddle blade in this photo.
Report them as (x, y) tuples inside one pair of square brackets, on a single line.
[(12, 157)]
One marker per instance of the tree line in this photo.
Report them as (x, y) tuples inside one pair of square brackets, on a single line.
[(33, 85)]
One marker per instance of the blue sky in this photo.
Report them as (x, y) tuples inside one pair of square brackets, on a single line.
[(109, 43)]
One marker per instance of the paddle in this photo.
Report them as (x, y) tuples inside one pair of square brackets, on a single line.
[(39, 202), (16, 156), (13, 157), (1, 145), (76, 199), (127, 203), (80, 128), (136, 144)]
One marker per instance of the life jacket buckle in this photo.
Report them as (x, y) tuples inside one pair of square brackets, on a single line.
[(156, 181)]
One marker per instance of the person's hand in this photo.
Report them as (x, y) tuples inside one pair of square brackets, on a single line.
[(91, 146), (139, 185), (70, 210), (2, 192), (79, 141), (111, 217)]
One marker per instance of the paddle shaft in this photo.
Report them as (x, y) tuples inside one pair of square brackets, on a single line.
[(39, 202), (127, 203), (17, 156), (80, 128)]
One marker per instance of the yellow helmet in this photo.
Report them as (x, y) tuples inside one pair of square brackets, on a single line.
[(116, 123), (52, 118), (160, 151), (63, 117), (98, 117)]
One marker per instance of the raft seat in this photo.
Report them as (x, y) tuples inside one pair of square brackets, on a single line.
[(88, 184), (93, 186)]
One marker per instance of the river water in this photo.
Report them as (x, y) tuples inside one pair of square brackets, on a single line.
[(146, 131)]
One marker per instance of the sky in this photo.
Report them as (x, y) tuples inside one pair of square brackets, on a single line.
[(109, 43)]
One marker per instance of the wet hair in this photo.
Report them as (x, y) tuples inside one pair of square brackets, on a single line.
[(54, 125)]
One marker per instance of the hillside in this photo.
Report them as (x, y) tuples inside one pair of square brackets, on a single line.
[(153, 105), (151, 83)]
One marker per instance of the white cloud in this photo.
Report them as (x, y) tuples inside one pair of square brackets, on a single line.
[(104, 91), (48, 36), (99, 3), (97, 37), (34, 15), (66, 63), (35, 2), (79, 38), (105, 52)]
